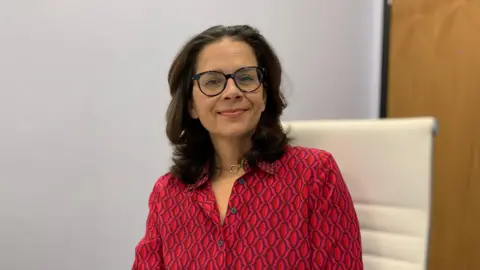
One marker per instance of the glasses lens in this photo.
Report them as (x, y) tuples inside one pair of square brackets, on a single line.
[(248, 79), (212, 82)]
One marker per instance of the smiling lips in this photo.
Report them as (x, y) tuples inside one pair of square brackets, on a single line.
[(232, 113)]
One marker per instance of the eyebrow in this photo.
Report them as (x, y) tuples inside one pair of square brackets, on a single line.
[(222, 71)]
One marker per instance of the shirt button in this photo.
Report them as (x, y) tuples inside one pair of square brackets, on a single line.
[(241, 181), (220, 243), (234, 210)]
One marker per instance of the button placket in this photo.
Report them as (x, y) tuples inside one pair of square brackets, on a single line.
[(238, 190), (221, 249), (241, 181)]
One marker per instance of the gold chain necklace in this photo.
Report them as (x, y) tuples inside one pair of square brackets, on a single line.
[(233, 168)]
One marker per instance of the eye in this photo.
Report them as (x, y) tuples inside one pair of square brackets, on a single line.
[(212, 81), (246, 78)]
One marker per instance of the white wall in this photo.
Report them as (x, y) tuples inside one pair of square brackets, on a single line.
[(83, 93)]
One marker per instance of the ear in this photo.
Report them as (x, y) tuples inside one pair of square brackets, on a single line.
[(192, 111)]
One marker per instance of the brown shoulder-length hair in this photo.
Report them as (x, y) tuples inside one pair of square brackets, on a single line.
[(190, 140)]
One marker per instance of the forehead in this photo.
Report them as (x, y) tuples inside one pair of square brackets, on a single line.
[(226, 56)]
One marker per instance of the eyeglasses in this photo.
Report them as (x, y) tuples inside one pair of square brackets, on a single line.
[(247, 79)]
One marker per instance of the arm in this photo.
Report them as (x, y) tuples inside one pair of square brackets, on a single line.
[(148, 253), (334, 228)]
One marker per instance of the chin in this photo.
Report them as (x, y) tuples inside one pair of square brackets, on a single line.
[(235, 132)]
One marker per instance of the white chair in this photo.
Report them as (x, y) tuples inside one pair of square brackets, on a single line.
[(387, 165)]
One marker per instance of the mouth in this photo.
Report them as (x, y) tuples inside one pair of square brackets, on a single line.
[(232, 113)]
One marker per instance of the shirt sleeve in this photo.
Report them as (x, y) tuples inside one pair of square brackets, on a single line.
[(334, 228), (148, 253)]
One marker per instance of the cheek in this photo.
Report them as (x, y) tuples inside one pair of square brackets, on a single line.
[(259, 102), (203, 111), (203, 106), (263, 105), (263, 101)]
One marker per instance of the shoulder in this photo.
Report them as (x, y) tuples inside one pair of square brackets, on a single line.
[(308, 157), (164, 181), (166, 186), (319, 169)]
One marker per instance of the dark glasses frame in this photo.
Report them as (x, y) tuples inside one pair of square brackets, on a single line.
[(261, 79)]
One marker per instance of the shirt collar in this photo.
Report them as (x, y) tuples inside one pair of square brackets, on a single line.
[(270, 168)]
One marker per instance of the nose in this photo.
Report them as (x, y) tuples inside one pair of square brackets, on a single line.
[(231, 90)]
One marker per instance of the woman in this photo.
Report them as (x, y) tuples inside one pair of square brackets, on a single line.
[(238, 196)]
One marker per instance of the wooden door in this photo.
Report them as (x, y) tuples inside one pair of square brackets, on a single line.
[(434, 70)]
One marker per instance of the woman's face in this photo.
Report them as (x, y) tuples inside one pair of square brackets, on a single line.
[(232, 113)]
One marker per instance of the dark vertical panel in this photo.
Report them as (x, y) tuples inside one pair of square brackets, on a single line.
[(385, 53)]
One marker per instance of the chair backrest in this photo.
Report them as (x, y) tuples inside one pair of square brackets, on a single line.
[(387, 165)]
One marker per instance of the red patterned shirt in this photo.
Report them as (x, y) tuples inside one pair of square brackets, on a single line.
[(295, 213)]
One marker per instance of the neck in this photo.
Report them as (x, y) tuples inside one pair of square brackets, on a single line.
[(230, 151)]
